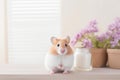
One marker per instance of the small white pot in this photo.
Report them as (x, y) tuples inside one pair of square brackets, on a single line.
[(82, 59)]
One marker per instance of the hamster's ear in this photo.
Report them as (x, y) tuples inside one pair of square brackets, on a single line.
[(68, 39), (54, 40)]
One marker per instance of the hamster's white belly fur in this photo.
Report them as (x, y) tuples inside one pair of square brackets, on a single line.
[(52, 61)]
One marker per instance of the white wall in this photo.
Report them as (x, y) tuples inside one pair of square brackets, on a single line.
[(3, 40), (77, 13)]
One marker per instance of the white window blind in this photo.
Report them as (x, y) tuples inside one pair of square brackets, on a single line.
[(31, 23)]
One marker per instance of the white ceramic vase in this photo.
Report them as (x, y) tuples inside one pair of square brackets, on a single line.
[(82, 59)]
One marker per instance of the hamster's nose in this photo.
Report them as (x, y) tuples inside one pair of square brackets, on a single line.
[(62, 50)]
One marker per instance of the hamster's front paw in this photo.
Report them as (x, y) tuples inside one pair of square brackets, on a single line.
[(60, 66), (66, 71), (54, 70)]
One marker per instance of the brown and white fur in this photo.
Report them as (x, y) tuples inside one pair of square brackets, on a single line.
[(60, 56)]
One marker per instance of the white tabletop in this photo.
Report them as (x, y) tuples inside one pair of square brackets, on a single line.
[(36, 72)]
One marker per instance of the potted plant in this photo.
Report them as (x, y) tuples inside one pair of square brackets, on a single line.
[(87, 38), (114, 44)]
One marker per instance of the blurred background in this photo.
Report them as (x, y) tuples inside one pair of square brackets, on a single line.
[(27, 25)]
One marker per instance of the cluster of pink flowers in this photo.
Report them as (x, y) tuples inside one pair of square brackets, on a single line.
[(102, 37), (114, 33), (84, 34), (108, 39)]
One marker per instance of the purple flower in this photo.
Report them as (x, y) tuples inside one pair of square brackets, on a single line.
[(91, 30), (73, 42), (78, 36), (92, 26), (87, 43), (112, 27), (109, 33), (85, 31), (115, 26), (95, 29), (117, 20), (114, 43), (116, 36), (102, 37), (118, 32), (93, 22)]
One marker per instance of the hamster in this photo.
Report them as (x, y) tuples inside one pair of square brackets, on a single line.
[(60, 56)]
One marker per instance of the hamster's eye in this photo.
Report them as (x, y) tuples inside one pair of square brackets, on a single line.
[(66, 45), (58, 45)]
